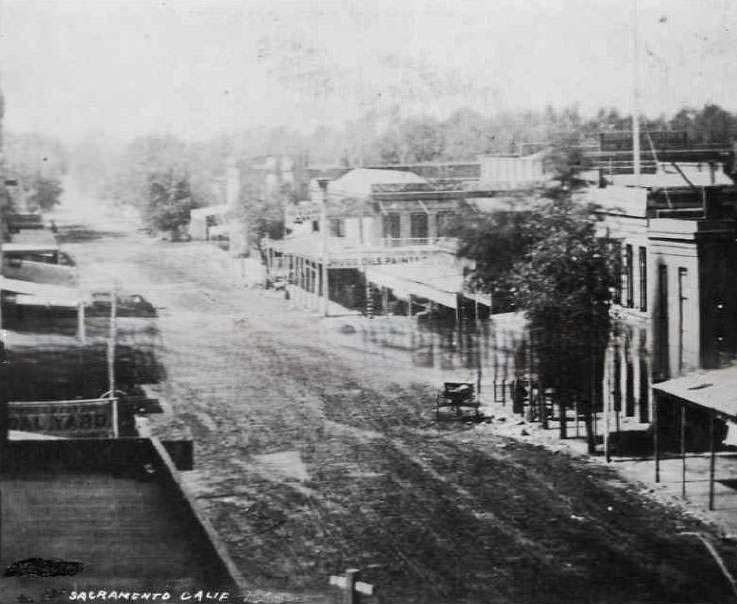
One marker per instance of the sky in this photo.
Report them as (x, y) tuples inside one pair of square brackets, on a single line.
[(196, 68)]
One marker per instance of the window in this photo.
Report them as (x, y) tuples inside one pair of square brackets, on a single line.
[(444, 221), (337, 227), (391, 226), (643, 279), (629, 275), (662, 327), (682, 276), (418, 226), (616, 250)]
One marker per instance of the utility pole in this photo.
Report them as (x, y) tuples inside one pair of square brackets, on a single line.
[(635, 95), (323, 182), (111, 358), (3, 343)]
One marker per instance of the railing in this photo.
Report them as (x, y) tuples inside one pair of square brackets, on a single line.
[(444, 242), (406, 241)]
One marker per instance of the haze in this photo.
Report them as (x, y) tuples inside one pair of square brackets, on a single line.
[(72, 68)]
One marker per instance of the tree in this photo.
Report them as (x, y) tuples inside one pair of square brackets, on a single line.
[(495, 241), (169, 203), (263, 214), (564, 283), (165, 178), (549, 261), (466, 134), (45, 193), (713, 124)]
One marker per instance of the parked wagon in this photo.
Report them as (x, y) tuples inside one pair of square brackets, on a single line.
[(455, 400)]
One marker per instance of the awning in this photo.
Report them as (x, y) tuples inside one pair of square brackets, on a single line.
[(715, 389), (43, 290), (439, 282)]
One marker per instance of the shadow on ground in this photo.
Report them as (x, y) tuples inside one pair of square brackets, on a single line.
[(78, 233)]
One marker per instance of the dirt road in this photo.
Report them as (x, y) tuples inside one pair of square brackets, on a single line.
[(312, 458)]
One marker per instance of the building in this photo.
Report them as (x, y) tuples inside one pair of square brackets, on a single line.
[(675, 234), (384, 243)]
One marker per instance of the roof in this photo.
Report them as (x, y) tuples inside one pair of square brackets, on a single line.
[(40, 272), (209, 211), (30, 247), (111, 513), (630, 201), (434, 278), (71, 295), (668, 176), (715, 389), (35, 236), (358, 182)]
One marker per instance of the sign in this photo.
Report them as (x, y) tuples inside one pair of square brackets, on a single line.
[(86, 418), (376, 260)]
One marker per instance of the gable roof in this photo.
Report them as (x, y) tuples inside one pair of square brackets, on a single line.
[(358, 182)]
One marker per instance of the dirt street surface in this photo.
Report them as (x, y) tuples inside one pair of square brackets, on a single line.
[(312, 458)]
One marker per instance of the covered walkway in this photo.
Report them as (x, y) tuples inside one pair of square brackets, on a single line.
[(694, 413)]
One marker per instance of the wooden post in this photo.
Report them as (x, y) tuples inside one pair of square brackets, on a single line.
[(111, 357), (617, 382), (81, 327), (530, 389), (409, 305), (479, 348), (712, 458), (656, 452), (323, 183), (683, 450), (607, 407), (369, 298), (349, 594), (351, 587)]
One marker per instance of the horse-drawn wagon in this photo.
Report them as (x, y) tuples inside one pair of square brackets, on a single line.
[(455, 399)]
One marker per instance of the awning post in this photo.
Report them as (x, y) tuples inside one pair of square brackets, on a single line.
[(656, 451), (683, 450), (712, 458)]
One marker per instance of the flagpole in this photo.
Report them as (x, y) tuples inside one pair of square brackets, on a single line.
[(635, 94)]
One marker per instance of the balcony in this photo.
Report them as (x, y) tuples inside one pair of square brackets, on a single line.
[(394, 242)]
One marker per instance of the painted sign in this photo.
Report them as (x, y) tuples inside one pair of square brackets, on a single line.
[(376, 259), (86, 418)]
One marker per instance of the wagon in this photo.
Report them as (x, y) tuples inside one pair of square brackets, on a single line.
[(456, 398)]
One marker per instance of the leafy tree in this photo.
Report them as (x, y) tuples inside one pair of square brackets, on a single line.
[(45, 193), (495, 241), (713, 124), (263, 214), (564, 283), (423, 139), (413, 140), (169, 203), (467, 134), (548, 260), (37, 163), (164, 178)]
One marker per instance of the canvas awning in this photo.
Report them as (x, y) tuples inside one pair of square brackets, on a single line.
[(45, 291), (715, 390), (439, 282)]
